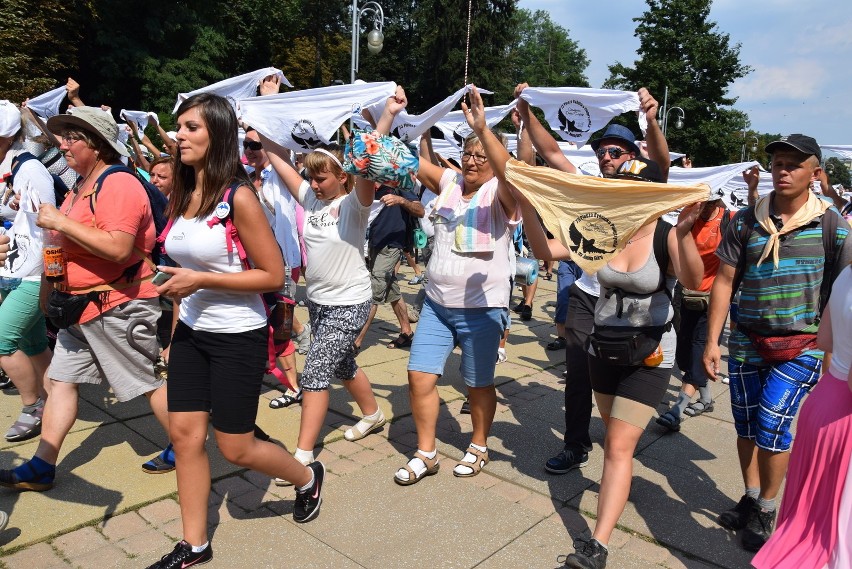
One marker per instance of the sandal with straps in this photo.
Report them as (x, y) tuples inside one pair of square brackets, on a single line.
[(475, 467), (403, 341), (432, 467), (696, 408)]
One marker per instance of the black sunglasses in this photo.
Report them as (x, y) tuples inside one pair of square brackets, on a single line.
[(614, 153), (252, 145)]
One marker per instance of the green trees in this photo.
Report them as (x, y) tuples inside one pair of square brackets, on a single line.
[(37, 46), (837, 172), (543, 54), (684, 51)]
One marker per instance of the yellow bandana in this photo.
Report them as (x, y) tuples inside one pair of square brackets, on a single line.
[(595, 217)]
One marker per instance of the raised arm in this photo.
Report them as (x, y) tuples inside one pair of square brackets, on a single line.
[(751, 178), (279, 158), (545, 144), (141, 160), (525, 152), (494, 150), (658, 148), (171, 147), (827, 189), (543, 248), (73, 90), (686, 263)]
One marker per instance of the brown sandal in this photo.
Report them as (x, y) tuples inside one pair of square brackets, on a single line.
[(476, 467), (432, 467)]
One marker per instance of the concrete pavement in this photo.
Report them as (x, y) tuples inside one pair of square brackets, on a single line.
[(106, 512)]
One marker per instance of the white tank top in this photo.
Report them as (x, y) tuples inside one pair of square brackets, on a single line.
[(195, 245)]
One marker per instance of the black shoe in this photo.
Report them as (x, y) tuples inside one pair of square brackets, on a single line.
[(465, 408), (308, 503), (758, 529), (566, 461), (517, 308), (525, 312), (589, 555), (737, 518), (182, 556)]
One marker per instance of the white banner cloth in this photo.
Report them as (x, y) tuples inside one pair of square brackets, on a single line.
[(576, 112), (47, 104), (300, 120), (235, 88)]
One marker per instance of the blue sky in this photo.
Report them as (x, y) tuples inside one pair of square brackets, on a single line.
[(800, 52)]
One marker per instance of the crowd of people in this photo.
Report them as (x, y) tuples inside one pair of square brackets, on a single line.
[(189, 253)]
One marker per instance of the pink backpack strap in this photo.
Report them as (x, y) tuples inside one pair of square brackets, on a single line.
[(232, 240)]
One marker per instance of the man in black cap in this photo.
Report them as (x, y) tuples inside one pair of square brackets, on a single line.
[(615, 147), (782, 254)]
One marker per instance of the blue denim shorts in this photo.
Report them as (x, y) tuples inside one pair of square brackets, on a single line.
[(765, 400), (476, 330)]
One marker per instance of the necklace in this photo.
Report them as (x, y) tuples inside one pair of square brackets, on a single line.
[(629, 241), (78, 185)]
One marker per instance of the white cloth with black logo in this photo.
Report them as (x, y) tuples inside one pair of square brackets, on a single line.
[(47, 104), (235, 88), (407, 127), (576, 112), (301, 120), (455, 127), (140, 118)]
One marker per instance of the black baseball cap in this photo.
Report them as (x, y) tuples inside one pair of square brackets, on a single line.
[(803, 143), (641, 169)]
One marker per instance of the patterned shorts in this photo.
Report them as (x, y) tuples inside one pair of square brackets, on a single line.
[(332, 353), (765, 400)]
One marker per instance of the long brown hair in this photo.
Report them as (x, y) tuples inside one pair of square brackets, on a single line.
[(222, 166)]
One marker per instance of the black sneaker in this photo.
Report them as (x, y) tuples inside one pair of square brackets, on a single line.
[(737, 517), (758, 529), (308, 503), (589, 555), (465, 408), (566, 461), (525, 312), (518, 307), (182, 556)]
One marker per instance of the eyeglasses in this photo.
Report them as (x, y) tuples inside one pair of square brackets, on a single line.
[(614, 153), (69, 139), (252, 145), (478, 159)]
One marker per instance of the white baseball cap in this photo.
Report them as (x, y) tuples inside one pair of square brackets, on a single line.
[(10, 119)]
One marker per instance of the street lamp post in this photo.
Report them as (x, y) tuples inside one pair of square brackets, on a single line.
[(375, 38), (753, 148), (678, 123)]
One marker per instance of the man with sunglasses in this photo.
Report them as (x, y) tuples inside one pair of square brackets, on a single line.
[(616, 146)]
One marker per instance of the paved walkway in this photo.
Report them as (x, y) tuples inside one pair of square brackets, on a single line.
[(106, 512)]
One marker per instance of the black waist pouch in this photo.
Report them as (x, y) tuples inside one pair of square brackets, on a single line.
[(626, 346), (64, 309)]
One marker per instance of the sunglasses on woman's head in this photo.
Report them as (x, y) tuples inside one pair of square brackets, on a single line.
[(252, 145)]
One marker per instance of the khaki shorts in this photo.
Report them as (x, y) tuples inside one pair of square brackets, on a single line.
[(382, 265), (98, 350)]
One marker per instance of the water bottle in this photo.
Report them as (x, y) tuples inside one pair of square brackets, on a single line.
[(55, 263), (8, 283)]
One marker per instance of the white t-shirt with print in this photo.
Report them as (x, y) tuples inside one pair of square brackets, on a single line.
[(334, 237), (469, 280)]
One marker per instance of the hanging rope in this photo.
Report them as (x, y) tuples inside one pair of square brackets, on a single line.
[(467, 44)]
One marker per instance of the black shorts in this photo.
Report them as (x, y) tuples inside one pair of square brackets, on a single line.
[(218, 372), (645, 385)]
